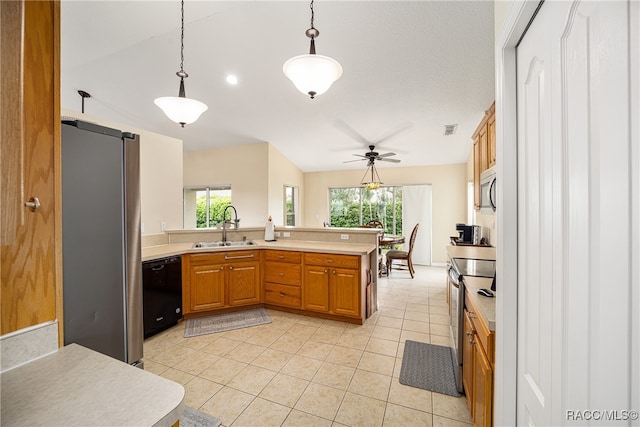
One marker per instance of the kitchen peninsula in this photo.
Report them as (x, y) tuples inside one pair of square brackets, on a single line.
[(328, 273)]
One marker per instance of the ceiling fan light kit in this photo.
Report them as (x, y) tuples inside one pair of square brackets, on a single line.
[(375, 181), (181, 109), (312, 74)]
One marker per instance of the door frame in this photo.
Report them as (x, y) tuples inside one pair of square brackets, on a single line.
[(505, 382)]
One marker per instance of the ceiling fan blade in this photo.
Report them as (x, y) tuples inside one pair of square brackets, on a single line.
[(386, 155), (399, 129), (360, 155), (356, 160), (351, 132), (389, 160)]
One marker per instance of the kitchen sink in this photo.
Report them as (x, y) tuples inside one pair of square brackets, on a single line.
[(223, 244)]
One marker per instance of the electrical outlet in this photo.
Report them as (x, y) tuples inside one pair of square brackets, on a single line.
[(276, 234), (286, 234), (344, 236), (163, 226), (142, 227)]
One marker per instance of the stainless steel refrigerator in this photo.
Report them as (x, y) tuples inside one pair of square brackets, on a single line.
[(102, 276)]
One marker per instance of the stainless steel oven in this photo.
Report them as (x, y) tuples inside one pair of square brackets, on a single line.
[(456, 320)]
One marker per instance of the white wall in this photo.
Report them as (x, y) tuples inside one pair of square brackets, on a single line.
[(449, 195), (160, 174), (282, 172)]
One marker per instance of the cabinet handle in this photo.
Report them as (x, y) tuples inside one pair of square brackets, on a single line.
[(334, 272), (471, 314), (282, 294), (33, 204), (282, 274), (329, 260), (281, 256), (326, 271), (238, 257), (231, 267)]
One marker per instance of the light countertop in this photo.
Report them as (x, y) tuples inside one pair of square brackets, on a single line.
[(76, 386), (485, 305), (471, 252), (161, 251)]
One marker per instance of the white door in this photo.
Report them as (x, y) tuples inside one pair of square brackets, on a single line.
[(576, 215)]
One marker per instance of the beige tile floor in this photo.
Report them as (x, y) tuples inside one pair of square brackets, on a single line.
[(304, 371)]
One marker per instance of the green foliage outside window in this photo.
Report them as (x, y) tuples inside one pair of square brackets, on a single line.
[(352, 207), (218, 203)]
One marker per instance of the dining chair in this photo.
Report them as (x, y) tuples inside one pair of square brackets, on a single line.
[(403, 256)]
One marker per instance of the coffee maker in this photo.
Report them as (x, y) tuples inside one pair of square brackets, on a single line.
[(469, 234)]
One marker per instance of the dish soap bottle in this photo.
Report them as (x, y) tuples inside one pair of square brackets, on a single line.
[(269, 231)]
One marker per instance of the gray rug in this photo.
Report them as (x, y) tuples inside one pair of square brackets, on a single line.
[(429, 367), (194, 418), (225, 322)]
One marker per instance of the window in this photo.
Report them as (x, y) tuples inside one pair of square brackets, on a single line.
[(290, 205), (354, 206), (204, 206)]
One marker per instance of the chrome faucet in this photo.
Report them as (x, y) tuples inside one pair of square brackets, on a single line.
[(225, 222)]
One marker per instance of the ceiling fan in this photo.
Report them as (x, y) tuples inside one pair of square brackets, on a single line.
[(372, 156)]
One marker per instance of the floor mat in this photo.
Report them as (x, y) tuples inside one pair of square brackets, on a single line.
[(428, 366)]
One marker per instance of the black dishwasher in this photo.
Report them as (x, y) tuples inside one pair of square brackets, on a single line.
[(162, 294)]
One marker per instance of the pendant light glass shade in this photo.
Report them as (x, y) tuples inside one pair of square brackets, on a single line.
[(180, 109), (312, 74)]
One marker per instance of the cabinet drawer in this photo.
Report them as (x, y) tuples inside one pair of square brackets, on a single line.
[(282, 256), (223, 257), (332, 260), (485, 337), (285, 295), (282, 272)]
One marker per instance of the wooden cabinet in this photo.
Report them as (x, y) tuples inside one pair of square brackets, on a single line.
[(30, 240), (484, 150), (332, 284), (212, 281), (477, 367), (282, 278)]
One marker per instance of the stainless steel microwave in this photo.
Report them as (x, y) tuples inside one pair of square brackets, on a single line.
[(488, 191)]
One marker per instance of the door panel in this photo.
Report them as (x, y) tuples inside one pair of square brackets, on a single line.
[(316, 289), (574, 211), (244, 283), (207, 287), (345, 292)]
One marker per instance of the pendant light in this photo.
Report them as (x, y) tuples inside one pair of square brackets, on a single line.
[(312, 74), (181, 109), (375, 182)]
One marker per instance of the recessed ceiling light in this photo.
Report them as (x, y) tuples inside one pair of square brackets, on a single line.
[(231, 79)]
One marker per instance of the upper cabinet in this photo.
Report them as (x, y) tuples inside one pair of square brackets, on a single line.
[(484, 149), (30, 155)]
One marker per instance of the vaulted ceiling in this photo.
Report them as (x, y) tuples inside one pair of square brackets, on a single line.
[(410, 68)]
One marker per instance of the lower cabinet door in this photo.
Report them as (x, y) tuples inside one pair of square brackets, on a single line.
[(467, 360), (207, 287), (482, 388), (244, 283), (345, 292), (316, 289)]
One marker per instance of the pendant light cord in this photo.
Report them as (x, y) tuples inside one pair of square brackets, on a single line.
[(182, 38), (312, 15)]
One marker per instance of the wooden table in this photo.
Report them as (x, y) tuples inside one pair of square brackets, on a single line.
[(388, 240)]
